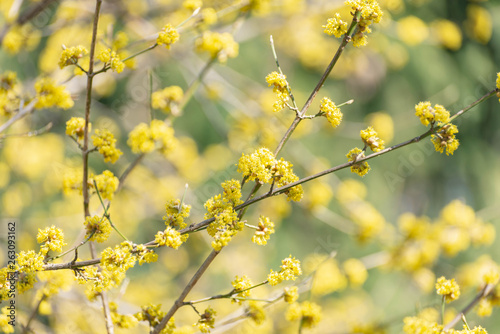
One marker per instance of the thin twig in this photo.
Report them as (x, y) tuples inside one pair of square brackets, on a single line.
[(24, 111), (38, 132), (26, 328)]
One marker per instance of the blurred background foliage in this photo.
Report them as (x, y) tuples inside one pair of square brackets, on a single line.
[(445, 51)]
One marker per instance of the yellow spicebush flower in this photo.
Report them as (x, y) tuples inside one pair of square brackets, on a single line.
[(175, 214), (167, 36), (206, 321), (445, 139), (280, 87), (70, 56), (484, 308), (145, 139), (97, 228), (449, 289), (29, 261), (121, 320), (107, 184), (232, 192), (429, 115), (153, 314), (412, 30), (208, 16), (170, 238), (492, 276), (370, 9), (120, 40), (478, 24), (8, 81), (370, 138), (220, 46), (335, 26), (291, 294), (360, 168), (331, 111), (5, 327), (264, 231), (118, 258), (105, 142), (448, 34), (256, 312), (18, 38), (192, 4), (257, 165), (414, 325), (307, 312), (355, 271), (167, 99), (52, 239), (290, 270), (49, 95), (145, 255), (240, 284), (75, 127), (111, 59)]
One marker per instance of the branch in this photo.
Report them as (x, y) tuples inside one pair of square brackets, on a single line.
[(24, 111)]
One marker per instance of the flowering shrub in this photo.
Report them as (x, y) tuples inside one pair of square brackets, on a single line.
[(228, 199)]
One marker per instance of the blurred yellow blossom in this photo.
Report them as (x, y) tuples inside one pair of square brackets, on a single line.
[(48, 94), (167, 99), (107, 183), (291, 294), (219, 45), (145, 139), (448, 34), (307, 312), (167, 36), (412, 30), (478, 24)]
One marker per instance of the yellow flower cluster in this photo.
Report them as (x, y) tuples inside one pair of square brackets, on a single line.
[(5, 327), (280, 87), (8, 96), (290, 269), (370, 13), (445, 139), (454, 231), (206, 321), (307, 312), (107, 184), (121, 320), (167, 99), (263, 166), (175, 213), (360, 168), (449, 289), (429, 115), (170, 238), (355, 271), (105, 142), (118, 259), (331, 111), (256, 312), (167, 36), (145, 255), (52, 239), (97, 228), (291, 294), (111, 59), (21, 37), (226, 223), (48, 94), (264, 231), (28, 263), (415, 325), (335, 26), (371, 139), (145, 139), (220, 46), (75, 127), (71, 55), (241, 287), (153, 315)]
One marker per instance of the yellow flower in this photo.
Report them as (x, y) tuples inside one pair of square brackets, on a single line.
[(5, 327), (220, 46), (29, 261), (280, 87), (335, 26), (307, 312), (106, 182), (49, 95), (445, 139), (239, 284), (76, 127), (118, 258), (449, 289), (448, 34), (370, 9), (105, 142), (290, 270), (355, 270), (206, 321), (145, 139), (291, 294), (167, 36), (167, 99), (71, 55), (264, 231), (331, 111), (478, 24), (256, 312), (97, 228), (111, 59), (170, 238), (175, 214), (52, 239), (145, 255), (429, 115), (370, 138), (360, 168), (412, 30)]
